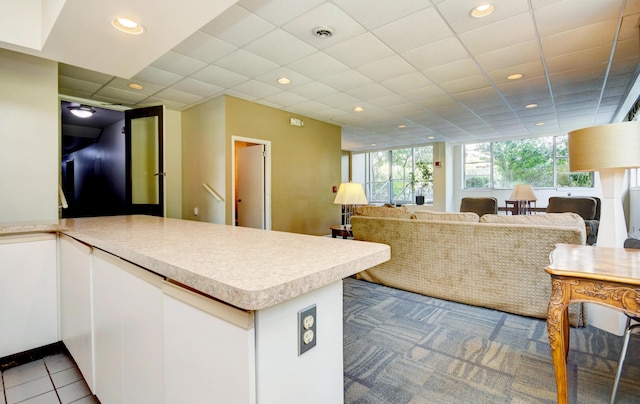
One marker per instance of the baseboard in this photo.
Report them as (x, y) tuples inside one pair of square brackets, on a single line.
[(31, 355)]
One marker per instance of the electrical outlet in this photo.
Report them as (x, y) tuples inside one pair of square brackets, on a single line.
[(307, 334)]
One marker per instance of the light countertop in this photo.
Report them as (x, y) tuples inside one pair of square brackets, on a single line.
[(248, 268)]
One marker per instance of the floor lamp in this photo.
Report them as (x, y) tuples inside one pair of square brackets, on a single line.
[(610, 150), (349, 195)]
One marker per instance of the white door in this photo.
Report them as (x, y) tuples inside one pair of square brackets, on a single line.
[(250, 204)]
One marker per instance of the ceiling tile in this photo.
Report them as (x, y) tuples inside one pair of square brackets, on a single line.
[(436, 53), (83, 74), (286, 98), (369, 91), (318, 65), (314, 90), (178, 96), (204, 47), (493, 37), (453, 71), (246, 63), (272, 77), (147, 88), (570, 14), (359, 50), (256, 88), (197, 87), (456, 13), (510, 56), (346, 80), (279, 12), (591, 36), (386, 68), (154, 75), (280, 47), (338, 100), (118, 94), (237, 26), (374, 13), (407, 82), (412, 31), (82, 86), (220, 77), (179, 64)]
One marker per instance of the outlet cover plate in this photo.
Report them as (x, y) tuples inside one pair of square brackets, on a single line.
[(304, 328)]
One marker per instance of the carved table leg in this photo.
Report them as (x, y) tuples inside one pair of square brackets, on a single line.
[(558, 329)]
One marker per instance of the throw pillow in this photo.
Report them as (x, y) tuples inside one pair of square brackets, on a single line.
[(548, 219), (446, 216)]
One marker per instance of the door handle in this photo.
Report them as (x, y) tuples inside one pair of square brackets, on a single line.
[(160, 174), (239, 200)]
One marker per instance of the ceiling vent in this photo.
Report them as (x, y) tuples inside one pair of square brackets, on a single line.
[(322, 31)]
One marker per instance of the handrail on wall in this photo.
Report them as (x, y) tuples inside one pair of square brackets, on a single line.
[(213, 193)]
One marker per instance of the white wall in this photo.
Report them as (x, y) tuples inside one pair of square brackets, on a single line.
[(29, 139)]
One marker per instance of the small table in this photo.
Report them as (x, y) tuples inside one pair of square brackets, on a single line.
[(343, 231), (608, 276), (520, 207)]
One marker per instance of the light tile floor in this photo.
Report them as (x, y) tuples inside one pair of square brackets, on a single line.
[(54, 379)]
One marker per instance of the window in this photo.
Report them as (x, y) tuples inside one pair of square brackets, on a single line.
[(542, 162), (396, 176)]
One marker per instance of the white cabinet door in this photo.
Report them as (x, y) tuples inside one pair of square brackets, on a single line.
[(29, 292), (128, 332), (209, 350), (76, 304)]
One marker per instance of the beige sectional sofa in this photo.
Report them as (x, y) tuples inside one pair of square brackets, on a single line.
[(496, 261)]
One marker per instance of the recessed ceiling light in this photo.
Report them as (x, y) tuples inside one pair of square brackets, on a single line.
[(540, 124), (373, 144), (82, 111), (515, 76), (358, 109), (431, 137), (482, 10), (135, 86), (533, 105), (402, 126), (127, 26), (284, 80)]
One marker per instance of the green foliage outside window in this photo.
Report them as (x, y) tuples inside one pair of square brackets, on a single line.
[(393, 175), (542, 162)]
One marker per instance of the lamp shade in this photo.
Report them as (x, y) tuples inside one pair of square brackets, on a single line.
[(523, 192), (350, 193), (614, 145)]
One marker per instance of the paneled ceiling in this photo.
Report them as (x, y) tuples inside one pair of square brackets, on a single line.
[(425, 65)]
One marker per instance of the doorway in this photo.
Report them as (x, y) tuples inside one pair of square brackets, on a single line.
[(101, 169), (251, 182)]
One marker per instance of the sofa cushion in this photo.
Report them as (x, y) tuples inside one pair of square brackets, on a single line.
[(446, 216), (383, 211), (550, 219)]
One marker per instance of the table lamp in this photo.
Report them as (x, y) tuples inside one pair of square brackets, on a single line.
[(349, 195), (610, 150), (524, 195)]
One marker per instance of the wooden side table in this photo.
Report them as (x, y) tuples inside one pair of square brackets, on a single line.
[(607, 276), (343, 231)]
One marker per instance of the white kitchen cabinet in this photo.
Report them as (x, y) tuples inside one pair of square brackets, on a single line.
[(209, 350), (76, 304), (29, 291), (128, 332)]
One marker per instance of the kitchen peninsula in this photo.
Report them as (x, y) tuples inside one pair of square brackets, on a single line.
[(167, 310)]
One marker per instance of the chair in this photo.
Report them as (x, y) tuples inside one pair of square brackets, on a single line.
[(588, 207), (479, 205), (628, 243)]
